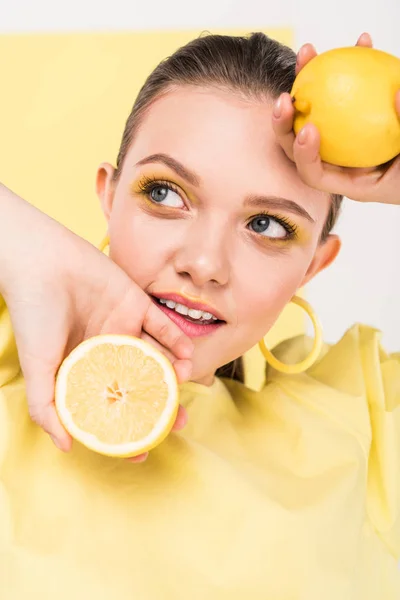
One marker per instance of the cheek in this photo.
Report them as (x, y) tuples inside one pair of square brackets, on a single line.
[(137, 244), (266, 288)]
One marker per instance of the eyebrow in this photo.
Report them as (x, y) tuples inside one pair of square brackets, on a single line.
[(276, 203), (271, 202), (173, 164)]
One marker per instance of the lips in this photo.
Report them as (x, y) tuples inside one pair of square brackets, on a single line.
[(190, 304), (192, 328)]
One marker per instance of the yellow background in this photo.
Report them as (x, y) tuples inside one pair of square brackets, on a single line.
[(64, 102)]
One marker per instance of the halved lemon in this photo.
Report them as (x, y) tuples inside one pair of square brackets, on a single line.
[(117, 395)]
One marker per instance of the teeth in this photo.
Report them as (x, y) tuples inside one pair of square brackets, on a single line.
[(191, 312), (207, 316), (181, 309), (195, 314)]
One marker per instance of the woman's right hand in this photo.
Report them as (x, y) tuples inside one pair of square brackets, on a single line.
[(60, 290), (380, 184)]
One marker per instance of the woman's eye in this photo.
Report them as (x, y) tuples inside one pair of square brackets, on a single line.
[(268, 227), (161, 194)]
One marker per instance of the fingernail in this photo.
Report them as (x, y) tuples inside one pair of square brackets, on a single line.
[(136, 460), (56, 442), (302, 136), (142, 459), (365, 34), (278, 108)]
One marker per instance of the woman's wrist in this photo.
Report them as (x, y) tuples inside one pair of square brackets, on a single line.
[(20, 230), (10, 210)]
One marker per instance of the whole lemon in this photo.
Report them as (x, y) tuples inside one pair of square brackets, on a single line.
[(349, 94)]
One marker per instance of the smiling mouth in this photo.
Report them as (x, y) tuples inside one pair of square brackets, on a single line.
[(192, 315)]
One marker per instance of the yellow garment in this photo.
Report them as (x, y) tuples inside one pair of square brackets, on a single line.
[(291, 493)]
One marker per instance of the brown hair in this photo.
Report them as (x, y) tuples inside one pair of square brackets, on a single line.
[(255, 66)]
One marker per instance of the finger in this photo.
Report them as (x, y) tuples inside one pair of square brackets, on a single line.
[(363, 185), (181, 419), (387, 188), (183, 367), (307, 157), (304, 55), (365, 40), (124, 319), (307, 52), (282, 123), (161, 328), (138, 459), (40, 395), (183, 370), (312, 170)]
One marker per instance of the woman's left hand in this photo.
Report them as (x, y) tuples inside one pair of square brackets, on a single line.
[(380, 184)]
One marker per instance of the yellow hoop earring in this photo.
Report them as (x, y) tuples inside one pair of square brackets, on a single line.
[(311, 358), (104, 243)]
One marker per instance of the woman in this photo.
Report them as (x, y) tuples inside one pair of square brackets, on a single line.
[(291, 492)]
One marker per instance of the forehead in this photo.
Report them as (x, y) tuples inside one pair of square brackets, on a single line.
[(223, 137)]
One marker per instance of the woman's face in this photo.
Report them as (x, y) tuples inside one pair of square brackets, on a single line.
[(209, 215)]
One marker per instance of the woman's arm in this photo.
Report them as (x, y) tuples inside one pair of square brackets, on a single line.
[(59, 290)]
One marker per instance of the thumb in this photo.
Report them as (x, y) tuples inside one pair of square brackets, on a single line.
[(40, 394)]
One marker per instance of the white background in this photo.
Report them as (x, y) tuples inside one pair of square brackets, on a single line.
[(364, 284)]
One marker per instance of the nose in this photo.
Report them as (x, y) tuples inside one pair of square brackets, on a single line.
[(203, 255)]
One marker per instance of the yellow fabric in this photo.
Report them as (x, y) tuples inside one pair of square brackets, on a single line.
[(289, 493)]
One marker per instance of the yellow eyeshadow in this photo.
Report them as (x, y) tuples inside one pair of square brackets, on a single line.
[(159, 178), (302, 236), (299, 237), (148, 178)]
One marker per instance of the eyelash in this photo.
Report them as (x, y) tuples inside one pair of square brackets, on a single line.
[(290, 227), (147, 184)]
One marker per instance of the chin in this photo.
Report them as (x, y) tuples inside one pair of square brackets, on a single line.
[(203, 375)]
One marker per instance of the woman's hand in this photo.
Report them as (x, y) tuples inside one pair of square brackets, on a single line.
[(60, 290), (381, 184)]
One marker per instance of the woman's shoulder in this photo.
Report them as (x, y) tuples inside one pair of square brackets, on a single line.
[(354, 380), (344, 411), (352, 391), (356, 364)]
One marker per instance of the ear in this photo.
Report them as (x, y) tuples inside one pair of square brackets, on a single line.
[(105, 187), (324, 256)]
